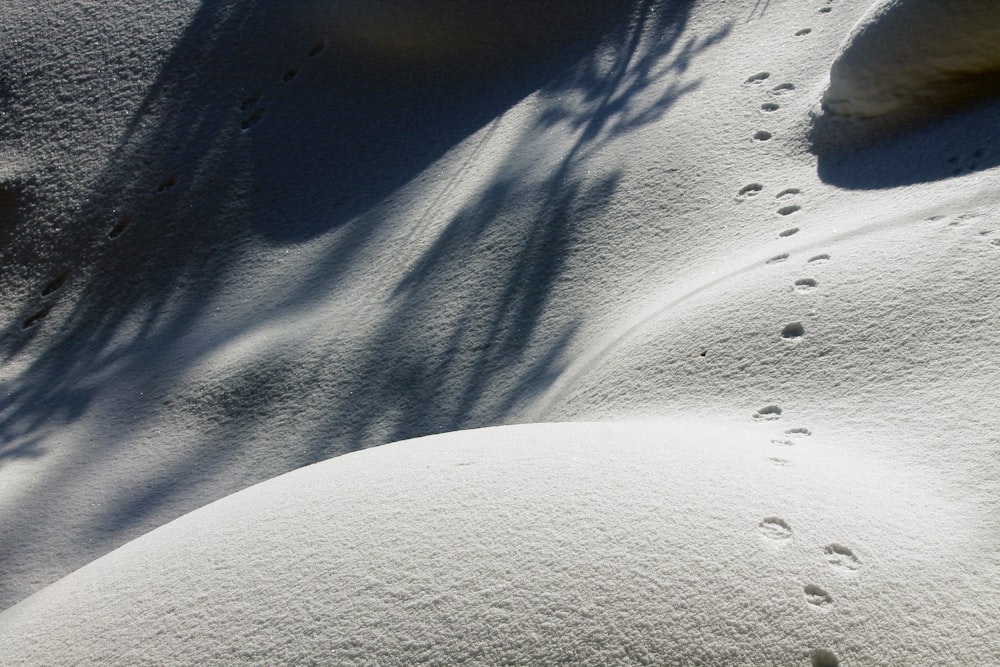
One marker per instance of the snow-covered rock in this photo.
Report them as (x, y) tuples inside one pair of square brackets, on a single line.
[(907, 57)]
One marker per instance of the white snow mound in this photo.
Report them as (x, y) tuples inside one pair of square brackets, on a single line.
[(906, 56), (590, 543)]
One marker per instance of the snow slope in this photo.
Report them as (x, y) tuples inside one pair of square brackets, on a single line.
[(243, 237), (661, 542)]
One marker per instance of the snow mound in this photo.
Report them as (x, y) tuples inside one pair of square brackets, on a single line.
[(591, 543), (907, 59)]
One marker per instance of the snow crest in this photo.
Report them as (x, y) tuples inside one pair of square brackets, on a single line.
[(907, 57)]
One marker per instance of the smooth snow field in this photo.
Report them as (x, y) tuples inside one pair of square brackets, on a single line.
[(388, 332)]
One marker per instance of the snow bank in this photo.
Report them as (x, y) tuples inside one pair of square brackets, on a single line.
[(906, 57), (659, 542)]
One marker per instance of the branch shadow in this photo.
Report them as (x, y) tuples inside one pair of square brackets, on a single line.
[(216, 165)]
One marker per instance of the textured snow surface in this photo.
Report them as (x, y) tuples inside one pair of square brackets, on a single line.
[(242, 237), (576, 543)]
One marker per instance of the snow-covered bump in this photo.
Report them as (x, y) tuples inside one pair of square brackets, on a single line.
[(909, 56)]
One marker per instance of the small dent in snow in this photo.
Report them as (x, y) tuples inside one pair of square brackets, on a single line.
[(793, 330), (168, 183), (249, 101), (775, 528), (768, 412), (55, 283), (252, 119), (39, 315), (817, 597), (805, 285), (117, 230), (841, 558), (822, 657), (317, 48)]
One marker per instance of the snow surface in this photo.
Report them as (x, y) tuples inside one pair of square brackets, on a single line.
[(243, 237), (656, 542)]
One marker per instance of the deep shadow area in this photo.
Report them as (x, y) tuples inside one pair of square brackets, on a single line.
[(862, 154), (239, 148)]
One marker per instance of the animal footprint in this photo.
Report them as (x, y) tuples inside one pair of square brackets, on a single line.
[(290, 74), (317, 48), (817, 596), (749, 190), (784, 463), (768, 413), (788, 210), (798, 430), (822, 657), (787, 192), (804, 31), (55, 283), (38, 316), (168, 183), (775, 528), (762, 135), (804, 285), (819, 258), (769, 107), (788, 232), (252, 119), (841, 558), (778, 258), (249, 101), (783, 88), (825, 10), (757, 78), (783, 442), (117, 230), (792, 330)]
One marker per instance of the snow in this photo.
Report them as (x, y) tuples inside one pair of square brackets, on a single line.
[(911, 54), (584, 543), (736, 359)]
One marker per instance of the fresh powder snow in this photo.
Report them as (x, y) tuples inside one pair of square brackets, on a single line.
[(427, 332)]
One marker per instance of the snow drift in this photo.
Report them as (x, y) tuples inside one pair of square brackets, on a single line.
[(909, 59), (659, 542)]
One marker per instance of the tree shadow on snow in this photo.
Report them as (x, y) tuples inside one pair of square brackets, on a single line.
[(218, 160)]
